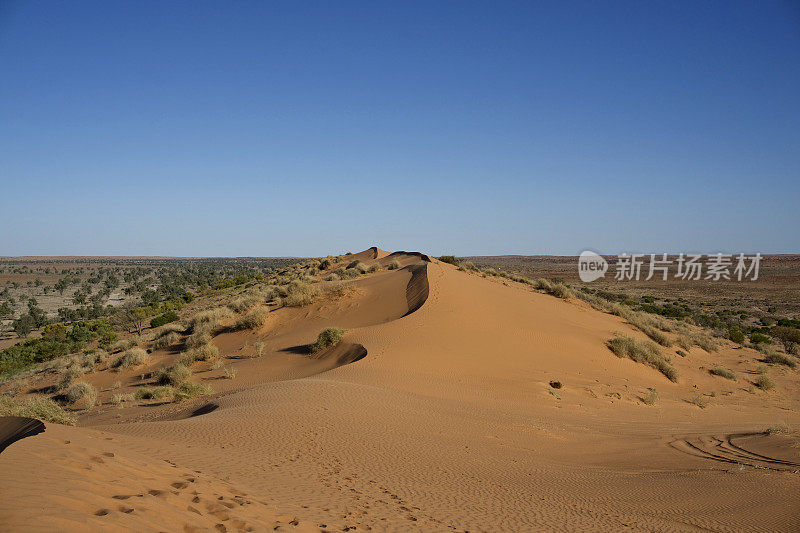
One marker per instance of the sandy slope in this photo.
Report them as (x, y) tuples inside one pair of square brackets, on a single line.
[(448, 422)]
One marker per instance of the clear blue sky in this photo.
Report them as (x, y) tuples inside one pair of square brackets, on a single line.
[(303, 128)]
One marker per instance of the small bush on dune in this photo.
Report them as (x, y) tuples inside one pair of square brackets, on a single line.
[(189, 390), (119, 399), (125, 344), (394, 265), (230, 373), (80, 390), (201, 353), (776, 358), (651, 397), (173, 376), (361, 268), (69, 376), (154, 393), (451, 259), (327, 337), (543, 285), (723, 372), (559, 290), (131, 358), (38, 407), (199, 338), (254, 319), (657, 336), (300, 294), (209, 319), (170, 328), (764, 383), (243, 303), (259, 347), (166, 341), (166, 318), (645, 352)]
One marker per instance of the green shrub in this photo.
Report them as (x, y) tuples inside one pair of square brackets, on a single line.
[(451, 259), (38, 407), (723, 372), (789, 336), (166, 318), (327, 337), (645, 352), (760, 338), (736, 335)]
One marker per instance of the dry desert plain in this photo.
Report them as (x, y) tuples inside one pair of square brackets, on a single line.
[(454, 401)]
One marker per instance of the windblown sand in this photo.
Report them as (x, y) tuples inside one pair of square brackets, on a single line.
[(435, 413)]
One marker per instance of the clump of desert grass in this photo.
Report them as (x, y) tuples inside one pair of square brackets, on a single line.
[(124, 344), (197, 339), (327, 337), (764, 383), (68, 377), (300, 294), (209, 320), (172, 327), (394, 265), (723, 372), (651, 397), (645, 352), (777, 358), (554, 288), (38, 407), (230, 372), (204, 352), (253, 319), (81, 390), (259, 348), (155, 393), (166, 340), (189, 390), (119, 399), (243, 303), (174, 375), (131, 358), (699, 401)]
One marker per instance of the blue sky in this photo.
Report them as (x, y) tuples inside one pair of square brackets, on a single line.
[(308, 128)]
